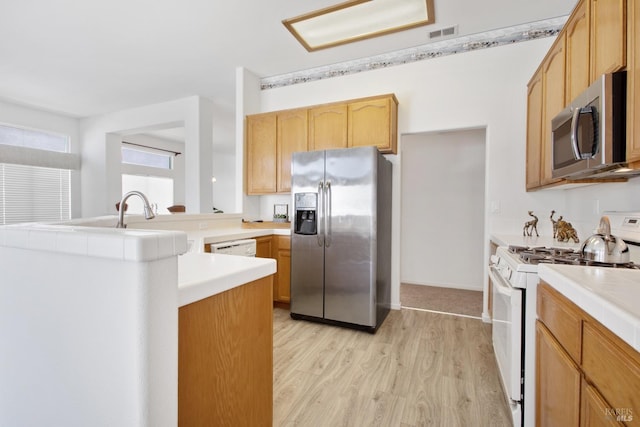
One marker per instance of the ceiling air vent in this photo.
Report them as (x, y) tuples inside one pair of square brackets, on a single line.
[(444, 32)]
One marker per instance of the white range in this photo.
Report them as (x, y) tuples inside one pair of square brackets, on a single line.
[(514, 282)]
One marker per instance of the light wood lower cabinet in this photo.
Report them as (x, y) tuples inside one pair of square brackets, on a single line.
[(225, 358), (585, 374), (595, 412), (558, 377), (263, 246), (282, 284), (279, 248)]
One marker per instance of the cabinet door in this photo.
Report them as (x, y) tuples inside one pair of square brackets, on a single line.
[(577, 55), (594, 410), (282, 291), (261, 154), (633, 84), (608, 36), (553, 72), (328, 127), (374, 122), (263, 247), (534, 131), (557, 383), (291, 137)]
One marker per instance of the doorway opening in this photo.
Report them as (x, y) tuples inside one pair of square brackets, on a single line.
[(443, 219)]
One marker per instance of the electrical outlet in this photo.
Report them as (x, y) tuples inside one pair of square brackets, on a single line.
[(203, 226), (596, 207), (495, 207)]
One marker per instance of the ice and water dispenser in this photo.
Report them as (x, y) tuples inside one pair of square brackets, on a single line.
[(306, 214)]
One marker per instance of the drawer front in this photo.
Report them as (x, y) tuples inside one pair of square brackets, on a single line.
[(615, 369), (564, 321)]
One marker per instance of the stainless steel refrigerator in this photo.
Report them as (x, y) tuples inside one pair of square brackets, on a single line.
[(341, 237)]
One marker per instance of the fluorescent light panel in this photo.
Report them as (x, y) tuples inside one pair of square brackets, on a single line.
[(357, 20)]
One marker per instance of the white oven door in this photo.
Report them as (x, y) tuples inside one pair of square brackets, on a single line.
[(507, 333)]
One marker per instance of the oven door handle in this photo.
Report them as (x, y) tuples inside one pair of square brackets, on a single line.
[(499, 282)]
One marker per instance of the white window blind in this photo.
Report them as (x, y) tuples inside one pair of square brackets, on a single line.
[(32, 193)]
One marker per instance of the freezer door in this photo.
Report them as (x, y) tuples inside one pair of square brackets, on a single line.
[(350, 248), (307, 251)]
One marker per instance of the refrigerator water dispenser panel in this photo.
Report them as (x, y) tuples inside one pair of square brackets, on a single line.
[(306, 213)]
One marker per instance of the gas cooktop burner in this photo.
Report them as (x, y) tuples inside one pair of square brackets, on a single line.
[(543, 255)]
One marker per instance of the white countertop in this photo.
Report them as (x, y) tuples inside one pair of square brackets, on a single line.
[(611, 296), (533, 241), (201, 275), (198, 238)]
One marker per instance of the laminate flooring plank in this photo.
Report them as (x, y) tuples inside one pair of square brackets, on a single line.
[(419, 369)]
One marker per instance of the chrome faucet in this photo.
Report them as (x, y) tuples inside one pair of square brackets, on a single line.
[(148, 212)]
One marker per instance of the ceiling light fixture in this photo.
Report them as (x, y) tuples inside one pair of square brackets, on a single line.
[(358, 20)]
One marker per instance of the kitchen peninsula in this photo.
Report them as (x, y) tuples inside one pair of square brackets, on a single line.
[(89, 323)]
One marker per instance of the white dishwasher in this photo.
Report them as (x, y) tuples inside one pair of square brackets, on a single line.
[(245, 247)]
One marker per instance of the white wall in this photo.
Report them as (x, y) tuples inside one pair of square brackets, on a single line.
[(12, 114), (443, 209), (101, 160)]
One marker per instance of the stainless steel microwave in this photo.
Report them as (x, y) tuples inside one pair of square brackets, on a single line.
[(589, 136)]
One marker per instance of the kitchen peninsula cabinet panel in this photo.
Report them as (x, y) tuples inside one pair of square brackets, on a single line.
[(225, 358), (633, 84), (328, 127), (578, 51), (374, 121), (261, 154), (534, 131), (608, 36), (291, 137), (553, 79)]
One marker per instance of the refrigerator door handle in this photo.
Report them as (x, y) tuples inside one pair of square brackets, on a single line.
[(320, 213), (327, 215)]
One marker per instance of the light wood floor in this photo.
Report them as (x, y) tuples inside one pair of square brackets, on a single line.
[(419, 369)]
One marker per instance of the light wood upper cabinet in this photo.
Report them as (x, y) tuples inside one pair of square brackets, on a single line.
[(578, 47), (633, 83), (534, 131), (291, 137), (374, 122), (553, 80), (328, 127), (261, 154), (271, 138), (608, 36)]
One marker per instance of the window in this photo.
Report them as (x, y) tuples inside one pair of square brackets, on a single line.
[(146, 157), (33, 193), (150, 165), (35, 176)]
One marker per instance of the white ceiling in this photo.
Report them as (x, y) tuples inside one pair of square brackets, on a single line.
[(83, 58)]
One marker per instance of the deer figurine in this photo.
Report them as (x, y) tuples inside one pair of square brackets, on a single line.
[(530, 226), (554, 223)]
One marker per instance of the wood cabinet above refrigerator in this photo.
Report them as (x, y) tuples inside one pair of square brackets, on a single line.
[(272, 137)]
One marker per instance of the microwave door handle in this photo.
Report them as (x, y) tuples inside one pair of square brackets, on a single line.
[(574, 134)]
